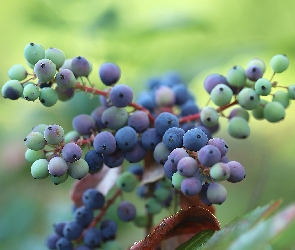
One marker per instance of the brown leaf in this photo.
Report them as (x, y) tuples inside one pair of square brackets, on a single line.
[(188, 221)]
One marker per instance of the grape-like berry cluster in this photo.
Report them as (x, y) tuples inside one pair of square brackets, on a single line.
[(164, 130)]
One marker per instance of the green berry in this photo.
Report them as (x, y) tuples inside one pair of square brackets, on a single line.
[(279, 63), (220, 171), (291, 92), (248, 98), (263, 87), (141, 220), (59, 179), (33, 155), (56, 56), (221, 94), (176, 180), (161, 194), (258, 112), (281, 97), (48, 97), (209, 116), (39, 169), (238, 127), (126, 181), (31, 92), (152, 205), (274, 112), (17, 72), (236, 76), (34, 52), (78, 169), (35, 141)]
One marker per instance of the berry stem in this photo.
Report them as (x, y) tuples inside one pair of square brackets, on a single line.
[(106, 94), (105, 208), (91, 90), (197, 116), (102, 212)]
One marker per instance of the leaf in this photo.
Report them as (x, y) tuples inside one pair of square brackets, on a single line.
[(224, 238), (197, 240), (191, 221), (285, 240), (92, 181), (265, 231), (109, 180)]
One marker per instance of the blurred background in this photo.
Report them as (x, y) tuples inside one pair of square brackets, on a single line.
[(145, 38)]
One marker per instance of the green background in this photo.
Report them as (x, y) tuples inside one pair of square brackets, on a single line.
[(145, 38)]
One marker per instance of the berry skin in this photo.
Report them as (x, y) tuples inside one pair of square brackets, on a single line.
[(35, 141), (236, 76), (126, 211), (45, 70), (191, 186), (34, 52), (221, 94), (71, 152), (279, 63), (126, 181), (238, 127), (31, 92), (80, 66), (274, 112), (109, 73), (93, 199), (17, 72), (12, 90), (121, 95), (194, 139)]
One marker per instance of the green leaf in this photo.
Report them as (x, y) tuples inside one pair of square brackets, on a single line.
[(196, 241), (225, 237), (261, 235), (286, 239)]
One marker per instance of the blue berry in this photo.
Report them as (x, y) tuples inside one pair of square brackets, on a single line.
[(109, 73), (126, 211), (121, 95), (93, 199)]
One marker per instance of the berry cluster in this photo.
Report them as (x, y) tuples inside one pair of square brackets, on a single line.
[(81, 231), (164, 129)]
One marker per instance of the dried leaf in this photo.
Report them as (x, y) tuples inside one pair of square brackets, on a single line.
[(189, 221)]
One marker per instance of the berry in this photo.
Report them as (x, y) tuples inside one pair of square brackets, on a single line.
[(93, 199), (109, 73), (279, 63), (121, 95), (126, 211), (45, 70)]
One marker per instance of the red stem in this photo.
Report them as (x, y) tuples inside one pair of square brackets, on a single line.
[(105, 208), (106, 94), (102, 212), (197, 116)]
